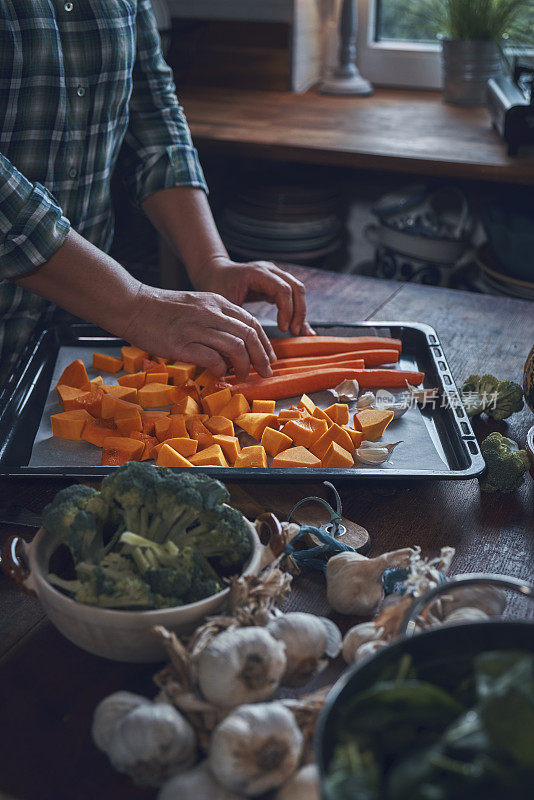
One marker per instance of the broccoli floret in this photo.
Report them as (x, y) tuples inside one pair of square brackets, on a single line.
[(222, 535), (168, 582), (169, 570), (132, 489), (178, 504), (201, 589), (213, 492), (506, 464), (499, 399), (77, 515)]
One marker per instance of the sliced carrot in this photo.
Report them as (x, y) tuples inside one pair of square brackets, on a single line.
[(298, 457), (74, 375), (132, 358), (117, 451), (106, 363), (253, 456), (229, 445), (372, 358), (135, 380), (70, 424), (274, 441), (220, 425), (319, 345), (324, 363), (169, 457)]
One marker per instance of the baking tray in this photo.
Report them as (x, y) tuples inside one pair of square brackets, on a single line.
[(27, 394)]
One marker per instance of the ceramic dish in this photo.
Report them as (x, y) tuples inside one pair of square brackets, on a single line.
[(504, 284)]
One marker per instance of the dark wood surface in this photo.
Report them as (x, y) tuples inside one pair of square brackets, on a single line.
[(395, 129), (49, 688)]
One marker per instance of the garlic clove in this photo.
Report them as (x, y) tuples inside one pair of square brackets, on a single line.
[(307, 639), (366, 400), (368, 649), (108, 713), (303, 785), (354, 582), (243, 665), (256, 748), (196, 784), (386, 401), (356, 636), (421, 395), (372, 453), (346, 391)]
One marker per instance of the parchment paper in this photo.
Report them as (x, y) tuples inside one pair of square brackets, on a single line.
[(418, 451)]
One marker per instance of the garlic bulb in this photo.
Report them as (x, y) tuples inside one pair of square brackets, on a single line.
[(307, 639), (465, 614), (356, 636), (489, 599), (152, 743), (354, 582), (373, 453), (303, 785), (196, 784), (366, 400), (242, 665), (256, 748), (109, 711)]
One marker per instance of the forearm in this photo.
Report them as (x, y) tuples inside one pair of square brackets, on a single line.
[(183, 217), (88, 283)]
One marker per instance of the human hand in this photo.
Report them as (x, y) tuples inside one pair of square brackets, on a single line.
[(199, 327), (258, 280)]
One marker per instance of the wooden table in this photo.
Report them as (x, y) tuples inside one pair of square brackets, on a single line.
[(398, 130), (49, 688)]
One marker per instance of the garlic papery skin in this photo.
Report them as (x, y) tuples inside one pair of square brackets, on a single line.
[(241, 665), (346, 391), (373, 453), (354, 582), (366, 400), (196, 784), (356, 637), (307, 640), (464, 615), (256, 748), (303, 785), (152, 743), (109, 711)]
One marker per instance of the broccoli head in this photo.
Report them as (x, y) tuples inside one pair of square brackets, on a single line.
[(131, 490), (506, 464), (499, 399), (222, 537), (77, 515)]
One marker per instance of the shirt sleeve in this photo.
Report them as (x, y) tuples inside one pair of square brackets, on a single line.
[(157, 152), (32, 225)]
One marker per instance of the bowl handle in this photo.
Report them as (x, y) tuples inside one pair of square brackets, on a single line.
[(14, 564), (469, 579)]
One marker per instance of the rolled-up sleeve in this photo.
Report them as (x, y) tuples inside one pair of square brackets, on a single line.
[(32, 225), (157, 152)]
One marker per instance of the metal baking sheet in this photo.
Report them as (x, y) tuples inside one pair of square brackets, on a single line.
[(437, 441)]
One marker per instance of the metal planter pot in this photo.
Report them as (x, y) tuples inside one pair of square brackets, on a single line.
[(467, 68)]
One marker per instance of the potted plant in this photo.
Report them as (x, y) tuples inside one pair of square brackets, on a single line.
[(473, 34)]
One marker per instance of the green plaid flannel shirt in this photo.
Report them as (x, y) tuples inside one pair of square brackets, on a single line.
[(84, 89)]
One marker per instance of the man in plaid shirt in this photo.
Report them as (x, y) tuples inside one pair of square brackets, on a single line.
[(84, 89)]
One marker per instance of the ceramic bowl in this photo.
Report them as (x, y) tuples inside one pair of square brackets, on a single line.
[(118, 635)]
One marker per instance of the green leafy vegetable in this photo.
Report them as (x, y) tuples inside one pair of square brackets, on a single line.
[(506, 464)]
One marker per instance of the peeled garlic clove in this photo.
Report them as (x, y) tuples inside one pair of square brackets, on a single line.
[(152, 743), (466, 614), (256, 748), (307, 640), (355, 637), (242, 665), (303, 785), (369, 453), (366, 400), (197, 784), (346, 391), (109, 711)]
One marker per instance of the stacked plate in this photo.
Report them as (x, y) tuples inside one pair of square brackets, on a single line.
[(498, 281), (295, 222)]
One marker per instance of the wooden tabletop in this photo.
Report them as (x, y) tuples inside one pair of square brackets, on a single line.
[(395, 129), (49, 687)]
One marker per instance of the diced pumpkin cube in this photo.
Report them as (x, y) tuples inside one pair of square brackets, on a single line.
[(90, 401), (170, 427), (334, 434), (70, 424), (184, 445), (180, 372), (274, 441), (211, 456), (95, 432), (106, 363), (306, 404), (198, 431), (148, 441), (305, 431), (149, 365), (66, 394), (155, 395), (214, 402), (238, 405), (189, 419), (156, 377), (115, 407), (220, 425), (135, 380), (255, 424), (337, 456), (74, 375), (160, 360), (373, 421), (339, 413), (253, 456), (132, 358), (149, 417), (188, 389), (94, 383), (186, 406), (296, 457), (318, 413), (128, 425), (127, 393), (117, 451), (169, 457), (229, 445), (356, 436), (205, 378), (263, 406), (290, 413)]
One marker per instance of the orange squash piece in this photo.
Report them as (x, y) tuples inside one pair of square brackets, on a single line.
[(169, 427), (298, 457), (148, 442), (306, 404), (149, 417), (206, 378), (135, 380), (187, 389), (263, 406), (74, 375), (253, 456), (213, 403), (220, 425), (160, 360), (274, 441), (198, 431), (156, 377), (70, 424), (115, 407), (334, 434), (255, 424), (106, 363), (191, 417), (127, 425), (118, 451), (211, 456), (337, 456), (356, 436), (127, 393), (94, 383), (155, 395), (305, 431), (184, 445), (95, 432), (132, 358), (229, 445), (318, 413), (186, 406), (373, 421), (180, 372), (90, 401), (169, 457), (66, 394), (149, 365), (238, 405), (290, 413), (339, 413)]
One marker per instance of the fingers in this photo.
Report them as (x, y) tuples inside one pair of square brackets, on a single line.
[(204, 356), (286, 291), (298, 291), (307, 330), (242, 345), (252, 322)]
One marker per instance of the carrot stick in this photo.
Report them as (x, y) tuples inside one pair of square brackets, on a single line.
[(356, 364), (281, 386), (385, 356), (321, 345)]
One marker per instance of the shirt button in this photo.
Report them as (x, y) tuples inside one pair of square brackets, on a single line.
[(73, 172), (68, 6), (80, 91)]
